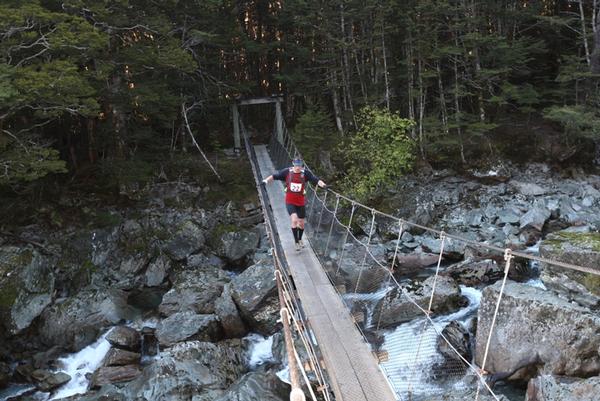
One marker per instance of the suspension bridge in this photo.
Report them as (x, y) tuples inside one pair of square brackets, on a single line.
[(337, 294)]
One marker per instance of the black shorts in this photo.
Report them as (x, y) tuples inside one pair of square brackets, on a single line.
[(299, 210)]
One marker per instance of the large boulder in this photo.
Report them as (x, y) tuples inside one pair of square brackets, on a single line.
[(235, 246), (257, 386), (580, 248), (396, 308), (114, 374), (187, 370), (556, 388), (356, 275), (26, 287), (535, 217), (157, 271), (475, 272), (255, 293), (125, 338), (536, 325), (187, 240), (187, 325), (232, 323), (527, 188), (76, 322), (120, 357), (194, 290)]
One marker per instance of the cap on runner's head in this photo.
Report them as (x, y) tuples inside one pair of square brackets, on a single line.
[(297, 162)]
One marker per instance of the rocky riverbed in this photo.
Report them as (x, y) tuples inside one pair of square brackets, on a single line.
[(165, 293), (546, 336), (156, 300)]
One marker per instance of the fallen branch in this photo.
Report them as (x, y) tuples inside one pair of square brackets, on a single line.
[(187, 124)]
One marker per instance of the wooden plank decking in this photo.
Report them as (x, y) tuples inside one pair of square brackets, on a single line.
[(352, 368)]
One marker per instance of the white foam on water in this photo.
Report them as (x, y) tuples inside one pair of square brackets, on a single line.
[(284, 375), (370, 301), (536, 282), (412, 349), (260, 351), (78, 365)]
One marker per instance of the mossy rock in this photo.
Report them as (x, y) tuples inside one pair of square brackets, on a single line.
[(577, 248)]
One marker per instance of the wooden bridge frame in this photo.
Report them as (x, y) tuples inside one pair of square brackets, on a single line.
[(251, 101)]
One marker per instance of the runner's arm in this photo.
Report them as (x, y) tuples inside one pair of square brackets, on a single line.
[(280, 176), (314, 179)]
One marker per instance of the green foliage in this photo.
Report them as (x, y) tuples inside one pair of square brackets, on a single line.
[(378, 153), (577, 121), (17, 165)]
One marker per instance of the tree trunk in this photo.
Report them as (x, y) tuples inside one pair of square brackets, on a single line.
[(118, 120), (457, 108), (595, 56), (411, 80), (359, 72), (386, 96), (346, 64), (422, 96), (336, 103), (442, 99), (584, 33)]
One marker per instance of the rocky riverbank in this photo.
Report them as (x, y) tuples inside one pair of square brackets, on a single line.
[(172, 279), (163, 290), (546, 335)]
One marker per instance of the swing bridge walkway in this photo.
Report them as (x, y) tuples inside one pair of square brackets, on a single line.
[(332, 296)]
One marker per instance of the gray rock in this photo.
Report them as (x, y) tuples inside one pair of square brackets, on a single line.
[(233, 326), (579, 248), (509, 215), (533, 322), (157, 271), (26, 287), (255, 293), (194, 290), (120, 357), (451, 246), (189, 369), (124, 337), (234, 246), (187, 325), (187, 240), (528, 188), (412, 262), (114, 374), (395, 308), (458, 340), (257, 386), (47, 381), (556, 388), (200, 261), (474, 218), (535, 217), (473, 273), (77, 322)]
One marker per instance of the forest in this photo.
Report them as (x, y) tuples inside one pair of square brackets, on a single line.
[(94, 88)]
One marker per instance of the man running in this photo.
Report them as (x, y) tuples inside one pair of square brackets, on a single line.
[(295, 179)]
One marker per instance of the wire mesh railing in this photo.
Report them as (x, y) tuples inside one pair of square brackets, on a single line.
[(417, 322)]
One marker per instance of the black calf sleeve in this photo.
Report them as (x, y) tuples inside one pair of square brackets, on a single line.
[(296, 234), (300, 232)]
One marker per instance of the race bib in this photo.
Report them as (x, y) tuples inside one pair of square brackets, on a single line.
[(295, 186)]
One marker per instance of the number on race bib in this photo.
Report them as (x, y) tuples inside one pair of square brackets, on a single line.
[(295, 186)]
